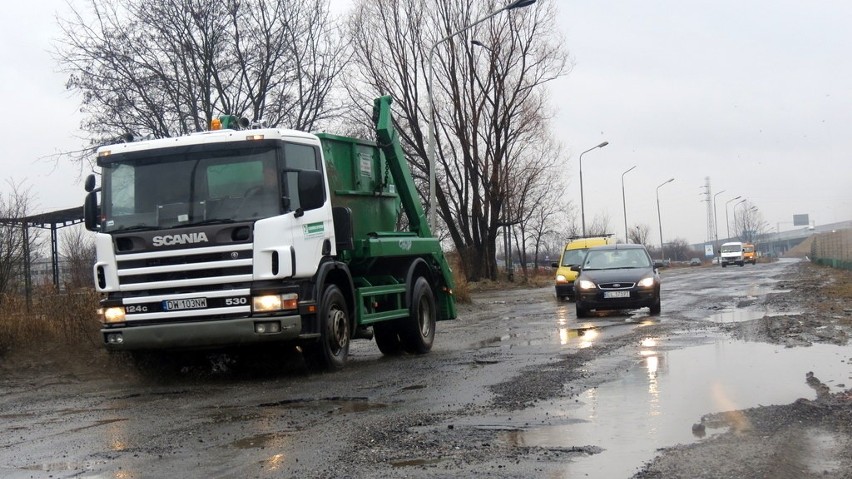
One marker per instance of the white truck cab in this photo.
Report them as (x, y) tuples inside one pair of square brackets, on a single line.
[(732, 253)]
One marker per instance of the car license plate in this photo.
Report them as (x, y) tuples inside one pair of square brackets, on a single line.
[(181, 304), (616, 294)]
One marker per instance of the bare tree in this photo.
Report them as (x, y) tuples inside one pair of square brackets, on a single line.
[(749, 224), (167, 68), (679, 250), (639, 234), (78, 249), (16, 240), (599, 225), (490, 103)]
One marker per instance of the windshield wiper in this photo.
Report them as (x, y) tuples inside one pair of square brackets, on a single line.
[(211, 221), (139, 227)]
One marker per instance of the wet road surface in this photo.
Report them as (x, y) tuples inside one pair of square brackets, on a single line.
[(444, 414)]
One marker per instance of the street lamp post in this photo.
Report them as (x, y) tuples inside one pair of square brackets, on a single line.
[(582, 206), (715, 225), (430, 152), (660, 219), (624, 202), (727, 222)]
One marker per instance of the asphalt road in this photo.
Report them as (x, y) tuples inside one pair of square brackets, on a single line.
[(516, 387)]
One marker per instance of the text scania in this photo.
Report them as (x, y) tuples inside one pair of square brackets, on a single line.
[(170, 240)]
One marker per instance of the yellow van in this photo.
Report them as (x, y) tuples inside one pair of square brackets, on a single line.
[(573, 254), (749, 256)]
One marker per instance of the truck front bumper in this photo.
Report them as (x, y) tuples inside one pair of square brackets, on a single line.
[(202, 334)]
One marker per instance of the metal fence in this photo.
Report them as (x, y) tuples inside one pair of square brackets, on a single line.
[(833, 249)]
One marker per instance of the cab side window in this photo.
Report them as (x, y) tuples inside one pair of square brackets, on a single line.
[(298, 157)]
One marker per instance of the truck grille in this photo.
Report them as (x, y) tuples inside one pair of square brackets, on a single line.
[(185, 269)]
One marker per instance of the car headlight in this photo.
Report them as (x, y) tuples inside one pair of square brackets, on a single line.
[(586, 284), (646, 282)]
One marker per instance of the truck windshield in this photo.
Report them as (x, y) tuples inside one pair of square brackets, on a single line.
[(731, 248), (194, 185)]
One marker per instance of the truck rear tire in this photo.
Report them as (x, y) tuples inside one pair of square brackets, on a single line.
[(417, 332), (387, 338), (332, 349)]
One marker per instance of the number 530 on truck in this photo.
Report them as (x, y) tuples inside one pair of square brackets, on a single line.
[(238, 236)]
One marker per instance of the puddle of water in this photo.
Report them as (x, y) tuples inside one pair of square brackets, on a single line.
[(414, 462), (336, 404), (261, 441), (736, 316), (742, 315), (656, 404)]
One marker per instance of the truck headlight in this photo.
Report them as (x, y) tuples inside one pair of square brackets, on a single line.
[(274, 302), (560, 278), (586, 284), (646, 282), (113, 314)]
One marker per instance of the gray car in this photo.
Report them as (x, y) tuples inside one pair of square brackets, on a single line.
[(621, 276)]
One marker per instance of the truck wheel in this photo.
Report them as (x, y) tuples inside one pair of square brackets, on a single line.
[(724, 265), (387, 338), (332, 349), (417, 332)]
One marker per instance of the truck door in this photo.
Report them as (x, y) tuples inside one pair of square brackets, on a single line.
[(312, 228)]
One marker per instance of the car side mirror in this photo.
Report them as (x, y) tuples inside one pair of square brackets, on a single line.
[(659, 264)]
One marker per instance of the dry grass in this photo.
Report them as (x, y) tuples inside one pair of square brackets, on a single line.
[(52, 318)]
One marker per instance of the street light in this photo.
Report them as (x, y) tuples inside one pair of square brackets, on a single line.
[(727, 222), (430, 152), (582, 207), (660, 220), (716, 225), (624, 202)]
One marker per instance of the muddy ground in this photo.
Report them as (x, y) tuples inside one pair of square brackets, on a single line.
[(808, 438), (464, 410)]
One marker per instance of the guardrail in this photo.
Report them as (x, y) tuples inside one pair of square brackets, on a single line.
[(833, 249)]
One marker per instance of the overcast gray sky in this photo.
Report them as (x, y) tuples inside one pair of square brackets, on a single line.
[(755, 95)]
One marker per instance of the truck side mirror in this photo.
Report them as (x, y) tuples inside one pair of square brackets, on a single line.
[(90, 211), (90, 183), (311, 191)]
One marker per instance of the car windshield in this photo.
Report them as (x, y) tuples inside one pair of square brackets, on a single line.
[(616, 259), (731, 248)]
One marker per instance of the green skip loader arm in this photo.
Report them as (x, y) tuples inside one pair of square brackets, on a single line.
[(388, 141)]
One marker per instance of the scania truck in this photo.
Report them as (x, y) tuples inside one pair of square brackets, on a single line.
[(239, 236)]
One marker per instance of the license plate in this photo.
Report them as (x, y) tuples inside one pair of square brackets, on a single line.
[(616, 294), (180, 304)]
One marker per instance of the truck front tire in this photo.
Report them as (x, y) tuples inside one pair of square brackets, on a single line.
[(417, 332), (332, 349)]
